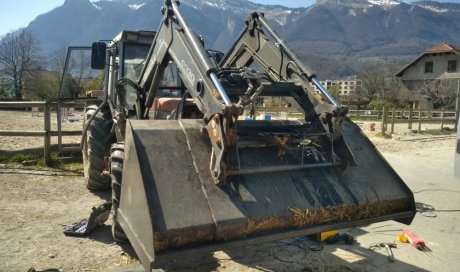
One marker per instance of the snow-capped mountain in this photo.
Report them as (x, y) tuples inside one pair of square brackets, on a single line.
[(326, 34)]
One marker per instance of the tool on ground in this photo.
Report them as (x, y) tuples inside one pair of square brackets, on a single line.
[(96, 219), (416, 241), (337, 238), (324, 235), (388, 247)]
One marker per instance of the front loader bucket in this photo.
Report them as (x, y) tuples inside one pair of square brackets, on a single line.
[(170, 204)]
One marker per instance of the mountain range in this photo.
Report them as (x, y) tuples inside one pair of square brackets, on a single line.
[(335, 37)]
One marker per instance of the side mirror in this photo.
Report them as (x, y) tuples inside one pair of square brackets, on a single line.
[(98, 55)]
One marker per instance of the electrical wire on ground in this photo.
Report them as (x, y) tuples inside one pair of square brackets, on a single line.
[(430, 211)]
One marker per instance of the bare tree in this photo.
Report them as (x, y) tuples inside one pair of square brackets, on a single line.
[(57, 61), (373, 82), (358, 97), (19, 55), (379, 83), (3, 85), (78, 72), (392, 90), (42, 84), (441, 92), (82, 71)]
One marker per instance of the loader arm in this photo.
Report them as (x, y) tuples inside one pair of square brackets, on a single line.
[(176, 41), (281, 65)]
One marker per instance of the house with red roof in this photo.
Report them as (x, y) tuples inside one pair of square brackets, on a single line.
[(432, 76)]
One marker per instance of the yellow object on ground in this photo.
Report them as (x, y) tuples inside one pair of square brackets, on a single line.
[(402, 238), (325, 235)]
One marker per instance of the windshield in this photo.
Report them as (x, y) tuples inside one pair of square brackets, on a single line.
[(134, 60), (78, 78), (133, 63)]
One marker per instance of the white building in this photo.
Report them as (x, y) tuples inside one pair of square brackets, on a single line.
[(436, 64), (345, 86)]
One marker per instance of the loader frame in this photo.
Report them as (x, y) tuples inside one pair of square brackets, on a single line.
[(238, 182)]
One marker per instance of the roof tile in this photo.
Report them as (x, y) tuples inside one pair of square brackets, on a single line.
[(442, 47)]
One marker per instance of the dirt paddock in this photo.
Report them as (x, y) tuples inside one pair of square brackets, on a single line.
[(36, 202)]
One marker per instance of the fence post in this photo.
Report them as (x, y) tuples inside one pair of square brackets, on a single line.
[(419, 120), (59, 124), (47, 133), (393, 121), (456, 119), (410, 119), (442, 119), (357, 113), (384, 113)]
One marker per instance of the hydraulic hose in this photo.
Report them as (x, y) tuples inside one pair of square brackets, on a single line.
[(104, 102)]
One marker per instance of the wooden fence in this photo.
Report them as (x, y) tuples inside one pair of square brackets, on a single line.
[(418, 117), (46, 133), (388, 118)]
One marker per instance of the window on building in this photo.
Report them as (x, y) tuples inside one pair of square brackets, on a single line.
[(429, 67), (452, 66)]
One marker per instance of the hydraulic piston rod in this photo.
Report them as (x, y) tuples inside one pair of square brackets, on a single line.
[(220, 89), (324, 91)]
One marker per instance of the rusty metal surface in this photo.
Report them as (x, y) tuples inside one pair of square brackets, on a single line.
[(169, 199)]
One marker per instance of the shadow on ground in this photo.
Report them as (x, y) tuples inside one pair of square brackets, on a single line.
[(300, 254)]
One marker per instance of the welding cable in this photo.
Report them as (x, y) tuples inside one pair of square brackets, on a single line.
[(430, 211), (435, 189)]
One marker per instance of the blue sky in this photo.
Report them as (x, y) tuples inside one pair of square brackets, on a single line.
[(15, 14)]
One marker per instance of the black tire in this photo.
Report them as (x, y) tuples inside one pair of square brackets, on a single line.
[(96, 147), (117, 153)]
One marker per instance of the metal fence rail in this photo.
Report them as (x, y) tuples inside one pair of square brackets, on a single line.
[(46, 133)]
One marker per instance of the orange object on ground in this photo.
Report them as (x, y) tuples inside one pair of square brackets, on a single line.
[(415, 240)]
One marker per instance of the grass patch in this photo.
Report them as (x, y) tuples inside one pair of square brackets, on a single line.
[(384, 136), (55, 162), (19, 158), (72, 166), (444, 131)]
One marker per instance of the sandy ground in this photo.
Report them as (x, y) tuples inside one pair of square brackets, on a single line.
[(35, 203), (21, 120)]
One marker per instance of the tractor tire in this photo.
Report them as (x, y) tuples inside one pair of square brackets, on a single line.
[(96, 147), (116, 172)]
